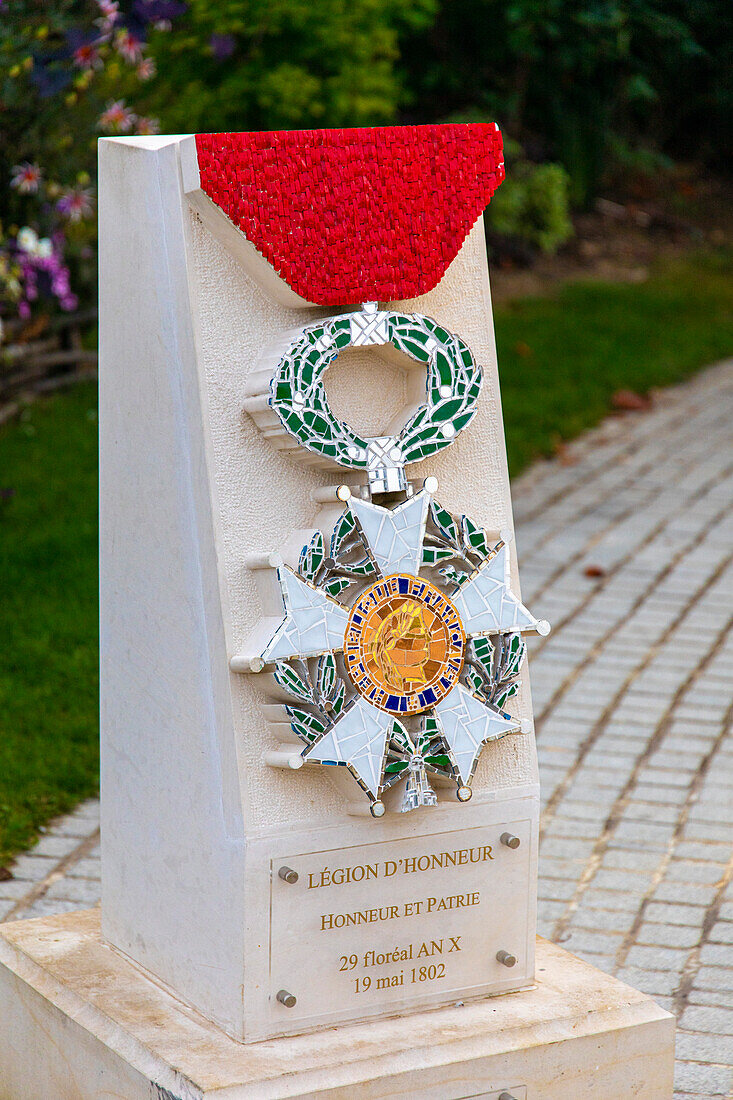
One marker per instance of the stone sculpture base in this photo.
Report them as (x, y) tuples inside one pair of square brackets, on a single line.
[(80, 1022)]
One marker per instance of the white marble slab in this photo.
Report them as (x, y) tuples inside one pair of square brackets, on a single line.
[(79, 1022)]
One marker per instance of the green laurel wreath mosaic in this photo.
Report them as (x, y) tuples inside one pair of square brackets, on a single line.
[(298, 395)]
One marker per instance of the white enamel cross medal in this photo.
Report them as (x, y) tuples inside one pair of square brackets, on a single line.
[(400, 641)]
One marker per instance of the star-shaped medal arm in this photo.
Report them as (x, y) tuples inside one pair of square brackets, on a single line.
[(314, 622), (394, 537), (357, 740), (467, 723), (487, 605)]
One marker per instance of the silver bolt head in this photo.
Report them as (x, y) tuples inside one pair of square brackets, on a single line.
[(287, 999), (287, 874), (506, 958), (506, 1096), (510, 840)]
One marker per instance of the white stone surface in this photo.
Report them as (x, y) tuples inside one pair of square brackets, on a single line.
[(191, 813), (108, 1033)]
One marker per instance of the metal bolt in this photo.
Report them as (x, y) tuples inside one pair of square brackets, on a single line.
[(377, 809), (287, 874), (287, 999), (463, 794), (506, 958), (510, 840), (506, 1096)]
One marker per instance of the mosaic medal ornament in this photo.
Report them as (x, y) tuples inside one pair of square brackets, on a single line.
[(400, 640)]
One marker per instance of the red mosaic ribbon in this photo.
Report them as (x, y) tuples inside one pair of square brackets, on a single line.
[(349, 216)]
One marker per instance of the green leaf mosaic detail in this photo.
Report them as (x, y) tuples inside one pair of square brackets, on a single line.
[(492, 667), (336, 585), (474, 538), (453, 384), (312, 557), (453, 577), (338, 701), (289, 680), (326, 675), (426, 745), (308, 726), (344, 533), (298, 396), (431, 555), (447, 537)]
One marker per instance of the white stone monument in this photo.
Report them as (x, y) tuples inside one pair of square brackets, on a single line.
[(319, 779)]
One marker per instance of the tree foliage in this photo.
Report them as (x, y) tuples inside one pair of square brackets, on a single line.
[(277, 64), (564, 76)]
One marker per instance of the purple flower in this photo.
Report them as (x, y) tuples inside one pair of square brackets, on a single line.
[(222, 46), (158, 11), (26, 178), (130, 46), (147, 125), (116, 118), (87, 56), (76, 204), (146, 69)]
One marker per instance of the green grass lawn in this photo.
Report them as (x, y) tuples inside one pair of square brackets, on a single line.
[(561, 360)]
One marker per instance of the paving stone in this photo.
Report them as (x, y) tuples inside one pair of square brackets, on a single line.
[(86, 868), (46, 907), (657, 983), (601, 943), (696, 1018), (14, 889), (715, 977), (704, 1080), (665, 935), (722, 932), (657, 958), (83, 891), (32, 868), (719, 997), (55, 846), (685, 893), (699, 1047), (716, 954), (686, 871)]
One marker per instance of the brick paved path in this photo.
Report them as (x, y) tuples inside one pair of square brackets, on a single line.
[(626, 545)]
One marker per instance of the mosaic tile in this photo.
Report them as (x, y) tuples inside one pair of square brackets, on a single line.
[(394, 537), (313, 623), (356, 215), (357, 740), (467, 725), (486, 604)]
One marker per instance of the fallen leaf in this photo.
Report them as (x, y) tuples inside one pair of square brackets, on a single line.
[(629, 401), (594, 571)]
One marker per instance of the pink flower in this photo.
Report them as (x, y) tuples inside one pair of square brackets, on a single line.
[(146, 68), (117, 118), (129, 46), (147, 126), (110, 9), (87, 57), (76, 204), (26, 178)]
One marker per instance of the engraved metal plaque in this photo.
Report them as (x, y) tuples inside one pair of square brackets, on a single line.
[(386, 927)]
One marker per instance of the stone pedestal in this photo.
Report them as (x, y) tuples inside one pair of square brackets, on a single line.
[(108, 1031)]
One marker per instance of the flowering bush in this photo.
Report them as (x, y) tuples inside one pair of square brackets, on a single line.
[(67, 72)]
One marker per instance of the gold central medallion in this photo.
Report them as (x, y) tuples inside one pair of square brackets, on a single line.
[(404, 645)]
